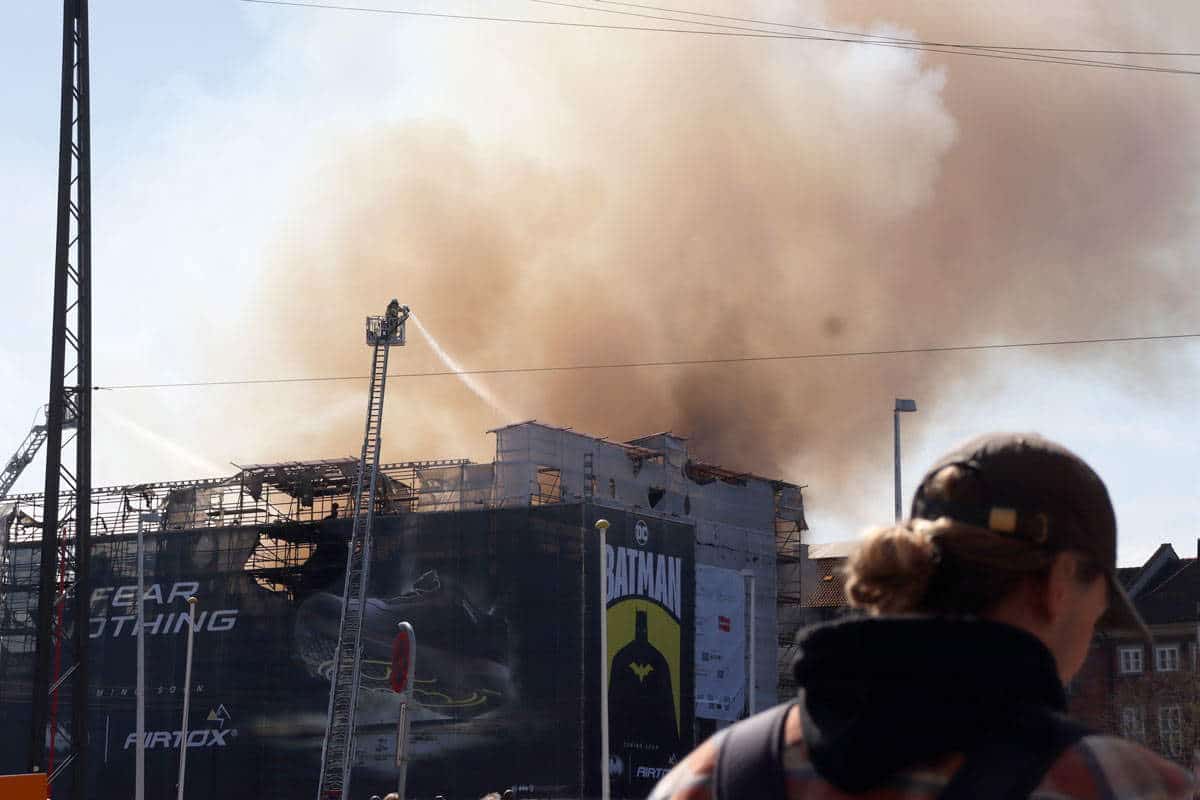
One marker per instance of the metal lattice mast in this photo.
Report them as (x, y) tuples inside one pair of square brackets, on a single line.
[(337, 752), (58, 732)]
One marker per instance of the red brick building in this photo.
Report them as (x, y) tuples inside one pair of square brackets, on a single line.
[(1150, 692), (823, 583)]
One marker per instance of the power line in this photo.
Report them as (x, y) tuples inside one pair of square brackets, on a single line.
[(1008, 54), (902, 40), (695, 362), (949, 50)]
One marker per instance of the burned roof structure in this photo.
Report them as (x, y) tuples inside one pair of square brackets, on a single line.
[(496, 561)]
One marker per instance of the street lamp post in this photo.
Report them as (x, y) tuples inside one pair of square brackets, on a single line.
[(602, 527), (187, 694), (139, 777), (902, 406)]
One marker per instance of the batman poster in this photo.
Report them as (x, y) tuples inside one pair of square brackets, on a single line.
[(649, 569)]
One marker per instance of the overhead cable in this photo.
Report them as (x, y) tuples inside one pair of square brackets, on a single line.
[(693, 362), (1007, 54), (1015, 55), (927, 43)]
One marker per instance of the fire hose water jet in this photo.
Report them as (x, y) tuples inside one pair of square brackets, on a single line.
[(169, 447), (471, 382)]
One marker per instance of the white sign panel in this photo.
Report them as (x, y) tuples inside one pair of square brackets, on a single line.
[(720, 643)]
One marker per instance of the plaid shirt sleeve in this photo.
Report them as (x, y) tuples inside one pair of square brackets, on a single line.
[(1098, 768), (1126, 769), (692, 778)]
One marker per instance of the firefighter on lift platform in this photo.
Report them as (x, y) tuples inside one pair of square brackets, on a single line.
[(393, 317)]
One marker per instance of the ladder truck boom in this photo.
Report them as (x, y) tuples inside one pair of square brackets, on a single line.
[(25, 453), (337, 751)]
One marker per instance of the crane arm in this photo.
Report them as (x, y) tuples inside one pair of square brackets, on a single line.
[(25, 454)]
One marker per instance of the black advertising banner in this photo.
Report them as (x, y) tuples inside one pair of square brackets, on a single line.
[(496, 601), (650, 574)]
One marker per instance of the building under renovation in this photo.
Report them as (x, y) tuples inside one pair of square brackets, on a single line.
[(495, 565)]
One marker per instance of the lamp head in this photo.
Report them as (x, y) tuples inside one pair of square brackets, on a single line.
[(601, 525)]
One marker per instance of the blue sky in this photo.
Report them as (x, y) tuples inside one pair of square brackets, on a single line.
[(217, 133)]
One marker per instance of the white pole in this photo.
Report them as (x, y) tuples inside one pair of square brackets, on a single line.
[(896, 457), (139, 770), (187, 695), (751, 683), (602, 527), (405, 698), (903, 405)]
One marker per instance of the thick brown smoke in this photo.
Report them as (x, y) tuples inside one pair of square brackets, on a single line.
[(682, 198)]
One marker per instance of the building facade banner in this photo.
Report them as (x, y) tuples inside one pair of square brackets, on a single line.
[(495, 598), (650, 573), (721, 639)]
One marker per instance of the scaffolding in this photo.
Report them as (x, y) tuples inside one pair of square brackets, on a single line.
[(277, 499), (270, 516), (790, 526)]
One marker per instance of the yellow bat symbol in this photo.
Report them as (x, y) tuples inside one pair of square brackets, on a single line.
[(641, 670)]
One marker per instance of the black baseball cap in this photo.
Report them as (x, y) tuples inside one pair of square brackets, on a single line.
[(1039, 491)]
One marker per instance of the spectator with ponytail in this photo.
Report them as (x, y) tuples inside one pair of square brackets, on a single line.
[(978, 609)]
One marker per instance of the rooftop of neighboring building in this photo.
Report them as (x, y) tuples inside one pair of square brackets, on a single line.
[(829, 588), (1174, 599), (1165, 589), (841, 550), (826, 585)]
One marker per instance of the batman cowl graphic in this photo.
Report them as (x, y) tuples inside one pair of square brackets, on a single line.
[(641, 701)]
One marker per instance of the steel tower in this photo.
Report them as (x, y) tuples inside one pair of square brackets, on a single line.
[(58, 730)]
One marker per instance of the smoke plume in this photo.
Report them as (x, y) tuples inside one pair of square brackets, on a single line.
[(642, 197)]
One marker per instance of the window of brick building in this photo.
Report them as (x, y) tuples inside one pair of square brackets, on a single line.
[(1170, 729), (1131, 660), (1133, 723), (1166, 658)]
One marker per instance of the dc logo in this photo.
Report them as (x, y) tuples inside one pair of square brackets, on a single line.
[(641, 533)]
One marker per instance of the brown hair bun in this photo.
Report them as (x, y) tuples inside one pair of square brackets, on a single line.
[(890, 571)]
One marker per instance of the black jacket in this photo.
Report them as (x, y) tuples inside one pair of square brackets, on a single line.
[(883, 694)]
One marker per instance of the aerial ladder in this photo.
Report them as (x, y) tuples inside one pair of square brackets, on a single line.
[(337, 752), (26, 452)]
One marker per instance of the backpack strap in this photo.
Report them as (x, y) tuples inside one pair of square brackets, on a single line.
[(1011, 765), (750, 761)]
